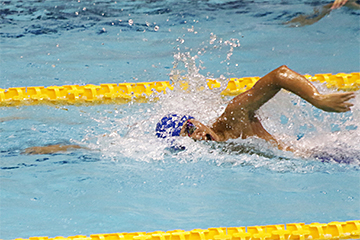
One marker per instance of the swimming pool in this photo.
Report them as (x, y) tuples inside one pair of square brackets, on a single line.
[(129, 181)]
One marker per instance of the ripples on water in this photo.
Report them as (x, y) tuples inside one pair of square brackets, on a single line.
[(67, 42), (21, 18)]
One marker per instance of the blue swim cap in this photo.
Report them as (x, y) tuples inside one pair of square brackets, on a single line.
[(170, 125)]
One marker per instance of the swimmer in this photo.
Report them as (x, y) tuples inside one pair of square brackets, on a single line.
[(239, 119), (318, 14)]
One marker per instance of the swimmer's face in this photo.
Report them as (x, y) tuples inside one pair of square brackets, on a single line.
[(197, 131)]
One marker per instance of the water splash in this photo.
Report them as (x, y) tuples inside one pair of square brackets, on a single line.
[(313, 133), (188, 64), (319, 138)]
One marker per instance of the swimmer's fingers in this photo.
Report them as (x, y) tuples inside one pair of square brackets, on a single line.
[(342, 103), (347, 96), (344, 107), (33, 151), (338, 4), (335, 102)]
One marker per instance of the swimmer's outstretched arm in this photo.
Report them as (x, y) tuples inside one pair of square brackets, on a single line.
[(51, 149), (317, 15), (285, 78), (55, 148)]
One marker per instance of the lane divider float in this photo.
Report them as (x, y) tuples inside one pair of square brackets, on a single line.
[(125, 92), (298, 231)]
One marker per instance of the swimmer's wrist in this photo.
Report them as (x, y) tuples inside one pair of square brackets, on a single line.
[(317, 100)]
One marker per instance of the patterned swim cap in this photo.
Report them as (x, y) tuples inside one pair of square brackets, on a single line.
[(170, 125)]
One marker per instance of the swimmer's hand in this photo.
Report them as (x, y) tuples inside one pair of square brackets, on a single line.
[(51, 149), (338, 4), (334, 102)]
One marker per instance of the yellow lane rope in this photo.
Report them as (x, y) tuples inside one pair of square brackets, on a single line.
[(124, 92), (298, 231)]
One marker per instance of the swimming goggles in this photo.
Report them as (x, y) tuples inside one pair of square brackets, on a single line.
[(189, 128)]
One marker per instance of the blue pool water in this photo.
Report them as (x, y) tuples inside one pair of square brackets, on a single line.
[(129, 180)]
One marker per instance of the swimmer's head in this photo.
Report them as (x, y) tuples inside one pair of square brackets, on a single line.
[(170, 125)]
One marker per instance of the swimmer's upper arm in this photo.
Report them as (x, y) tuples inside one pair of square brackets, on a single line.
[(254, 98)]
